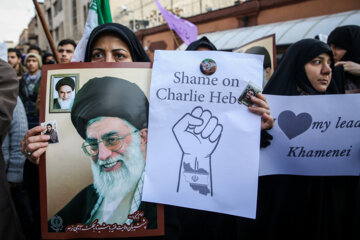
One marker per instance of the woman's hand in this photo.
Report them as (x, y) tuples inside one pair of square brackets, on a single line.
[(350, 67), (262, 108), (33, 145)]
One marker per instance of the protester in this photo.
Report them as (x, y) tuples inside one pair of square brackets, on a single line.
[(130, 49), (66, 48), (14, 160), (10, 227), (203, 44), (34, 49), (344, 42), (14, 59), (14, 164), (107, 43), (29, 87), (303, 207), (28, 92), (48, 58), (209, 225)]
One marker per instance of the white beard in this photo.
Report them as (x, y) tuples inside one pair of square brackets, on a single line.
[(66, 104), (118, 183)]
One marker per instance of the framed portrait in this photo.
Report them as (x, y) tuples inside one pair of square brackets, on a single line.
[(263, 46), (83, 193), (63, 91)]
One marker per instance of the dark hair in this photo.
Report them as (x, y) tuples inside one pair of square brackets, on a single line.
[(45, 55), (202, 42), (347, 37), (67, 41), (48, 125), (35, 48), (18, 53)]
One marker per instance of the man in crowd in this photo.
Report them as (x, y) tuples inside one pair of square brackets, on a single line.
[(34, 49), (65, 88), (28, 92), (10, 227), (52, 133), (14, 59), (48, 58), (14, 163), (115, 140), (66, 50), (29, 87)]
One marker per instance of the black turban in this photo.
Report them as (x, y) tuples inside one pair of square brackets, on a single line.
[(65, 81), (109, 97), (261, 51)]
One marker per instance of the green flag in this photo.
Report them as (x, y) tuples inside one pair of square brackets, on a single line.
[(103, 11), (99, 13)]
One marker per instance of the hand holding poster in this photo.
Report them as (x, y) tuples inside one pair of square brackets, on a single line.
[(212, 142), (313, 135)]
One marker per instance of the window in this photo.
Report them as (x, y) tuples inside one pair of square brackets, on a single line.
[(57, 6), (49, 18), (57, 34), (74, 15), (85, 8)]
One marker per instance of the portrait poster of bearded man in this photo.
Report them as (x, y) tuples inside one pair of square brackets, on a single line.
[(63, 91), (93, 179)]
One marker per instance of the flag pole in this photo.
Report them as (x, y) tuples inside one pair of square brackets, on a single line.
[(46, 30), (174, 37)]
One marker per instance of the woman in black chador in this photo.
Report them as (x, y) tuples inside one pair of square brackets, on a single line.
[(304, 207), (345, 45)]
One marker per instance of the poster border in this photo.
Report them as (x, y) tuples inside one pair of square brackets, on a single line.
[(52, 92), (42, 166), (273, 36)]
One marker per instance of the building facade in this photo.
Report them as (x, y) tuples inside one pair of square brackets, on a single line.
[(65, 19), (244, 14), (143, 14)]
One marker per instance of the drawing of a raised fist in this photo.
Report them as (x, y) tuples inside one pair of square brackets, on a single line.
[(197, 133)]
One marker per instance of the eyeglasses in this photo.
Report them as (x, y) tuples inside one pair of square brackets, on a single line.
[(113, 143)]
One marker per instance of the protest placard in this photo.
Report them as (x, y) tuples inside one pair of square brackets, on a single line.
[(313, 135), (203, 145)]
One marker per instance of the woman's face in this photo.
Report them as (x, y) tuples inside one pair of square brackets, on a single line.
[(110, 48), (318, 72), (337, 52)]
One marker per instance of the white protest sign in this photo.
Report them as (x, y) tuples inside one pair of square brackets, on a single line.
[(203, 146), (313, 135)]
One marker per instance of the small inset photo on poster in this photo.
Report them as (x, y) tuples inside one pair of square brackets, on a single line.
[(51, 130), (251, 90), (62, 92)]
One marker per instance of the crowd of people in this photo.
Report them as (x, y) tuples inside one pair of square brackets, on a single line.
[(288, 206), (23, 176)]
